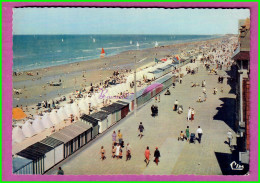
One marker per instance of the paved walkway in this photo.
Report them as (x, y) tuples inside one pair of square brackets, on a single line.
[(177, 157)]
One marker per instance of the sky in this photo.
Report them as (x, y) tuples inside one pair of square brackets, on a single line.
[(126, 21)]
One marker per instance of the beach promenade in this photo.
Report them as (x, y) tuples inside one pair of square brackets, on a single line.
[(215, 116)]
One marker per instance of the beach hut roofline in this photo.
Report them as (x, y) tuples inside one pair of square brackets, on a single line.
[(101, 115), (90, 119), (52, 142)]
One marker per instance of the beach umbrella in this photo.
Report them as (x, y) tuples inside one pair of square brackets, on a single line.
[(27, 129), (18, 114), (46, 121), (37, 125), (17, 134), (62, 114), (54, 117)]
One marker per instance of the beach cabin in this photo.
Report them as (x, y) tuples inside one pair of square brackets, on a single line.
[(57, 145), (22, 166), (92, 122), (102, 118), (114, 113), (155, 74), (130, 101), (87, 135), (125, 109), (166, 69), (80, 132), (41, 155), (172, 66), (73, 136), (118, 108), (67, 143), (166, 81)]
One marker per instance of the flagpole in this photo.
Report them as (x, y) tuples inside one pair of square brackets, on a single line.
[(135, 104)]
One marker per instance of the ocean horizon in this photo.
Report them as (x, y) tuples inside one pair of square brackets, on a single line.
[(40, 51)]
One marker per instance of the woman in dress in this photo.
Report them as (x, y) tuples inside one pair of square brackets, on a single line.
[(118, 147), (187, 133), (189, 114), (192, 114), (147, 155), (113, 138)]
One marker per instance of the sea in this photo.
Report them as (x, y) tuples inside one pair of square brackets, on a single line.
[(40, 51)]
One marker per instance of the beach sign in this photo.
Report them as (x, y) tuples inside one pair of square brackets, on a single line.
[(102, 53)]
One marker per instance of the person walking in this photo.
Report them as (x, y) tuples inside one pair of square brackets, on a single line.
[(128, 152), (141, 129), (215, 91), (147, 155), (159, 98), (180, 80), (176, 105), (102, 153), (189, 114), (187, 131), (156, 155), (199, 132), (205, 97), (60, 171), (120, 137), (155, 98), (113, 138), (153, 110), (192, 114), (230, 137), (118, 147)]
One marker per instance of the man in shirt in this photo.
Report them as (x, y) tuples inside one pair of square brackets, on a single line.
[(128, 152), (199, 132), (230, 137), (176, 105)]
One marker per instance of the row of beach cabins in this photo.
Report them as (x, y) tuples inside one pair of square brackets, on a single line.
[(41, 156)]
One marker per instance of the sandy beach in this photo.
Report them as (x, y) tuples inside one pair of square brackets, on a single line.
[(35, 88)]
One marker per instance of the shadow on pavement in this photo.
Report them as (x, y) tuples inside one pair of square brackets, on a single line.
[(226, 112), (224, 161), (231, 82)]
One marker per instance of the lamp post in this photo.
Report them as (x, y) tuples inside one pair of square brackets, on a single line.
[(179, 70), (135, 104)]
